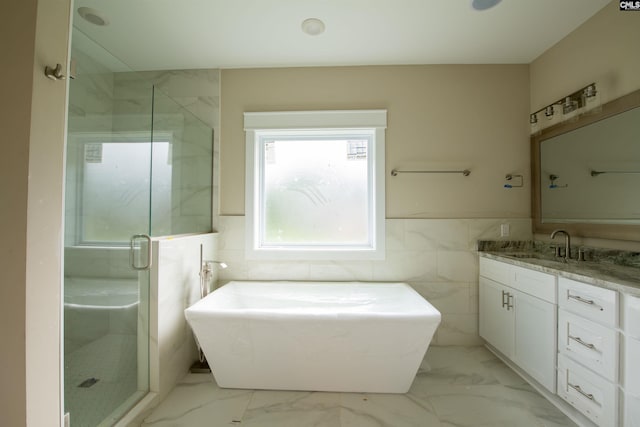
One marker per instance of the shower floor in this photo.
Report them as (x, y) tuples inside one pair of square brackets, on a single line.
[(112, 360)]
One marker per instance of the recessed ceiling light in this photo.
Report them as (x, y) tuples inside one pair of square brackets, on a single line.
[(313, 26), (484, 4), (93, 16)]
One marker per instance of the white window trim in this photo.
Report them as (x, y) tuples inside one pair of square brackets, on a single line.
[(324, 121)]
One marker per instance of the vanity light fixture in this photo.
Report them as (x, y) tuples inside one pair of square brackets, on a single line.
[(533, 122), (569, 105), (313, 26), (580, 101), (592, 99), (590, 91), (548, 112)]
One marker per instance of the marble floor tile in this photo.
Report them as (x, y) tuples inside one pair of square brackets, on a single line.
[(455, 387), (386, 410), (194, 403), (293, 409), (494, 405), (455, 365)]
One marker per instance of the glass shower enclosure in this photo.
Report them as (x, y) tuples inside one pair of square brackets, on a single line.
[(138, 166)]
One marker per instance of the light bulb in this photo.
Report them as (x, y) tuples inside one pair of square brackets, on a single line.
[(592, 103)]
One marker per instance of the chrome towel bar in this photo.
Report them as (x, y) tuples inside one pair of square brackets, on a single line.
[(465, 172)]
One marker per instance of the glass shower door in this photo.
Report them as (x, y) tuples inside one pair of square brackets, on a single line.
[(108, 200), (138, 164), (106, 282)]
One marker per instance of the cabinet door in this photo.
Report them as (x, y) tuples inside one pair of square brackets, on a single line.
[(631, 411), (631, 370), (535, 339), (496, 318)]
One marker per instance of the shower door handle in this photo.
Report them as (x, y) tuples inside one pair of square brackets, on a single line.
[(132, 252)]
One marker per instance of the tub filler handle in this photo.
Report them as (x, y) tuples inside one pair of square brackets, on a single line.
[(132, 251)]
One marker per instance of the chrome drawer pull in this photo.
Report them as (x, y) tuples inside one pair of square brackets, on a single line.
[(579, 341), (509, 301), (579, 390), (582, 300)]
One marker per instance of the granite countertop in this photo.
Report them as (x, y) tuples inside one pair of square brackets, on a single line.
[(616, 270)]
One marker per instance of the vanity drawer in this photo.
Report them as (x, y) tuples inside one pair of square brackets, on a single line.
[(592, 395), (495, 270), (591, 302), (593, 345), (541, 285)]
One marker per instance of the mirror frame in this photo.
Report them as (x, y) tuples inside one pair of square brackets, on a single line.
[(600, 231)]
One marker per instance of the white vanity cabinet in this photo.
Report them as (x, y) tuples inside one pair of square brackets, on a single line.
[(579, 340), (518, 317)]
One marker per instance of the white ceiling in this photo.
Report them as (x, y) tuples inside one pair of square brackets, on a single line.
[(187, 34)]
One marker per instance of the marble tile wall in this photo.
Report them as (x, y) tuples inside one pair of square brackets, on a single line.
[(90, 110), (436, 256), (198, 92), (105, 102), (90, 94), (102, 262), (175, 285)]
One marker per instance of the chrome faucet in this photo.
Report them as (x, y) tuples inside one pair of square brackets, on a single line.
[(567, 243), (206, 275)]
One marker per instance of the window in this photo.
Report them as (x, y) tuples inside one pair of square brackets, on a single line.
[(315, 185), (111, 189)]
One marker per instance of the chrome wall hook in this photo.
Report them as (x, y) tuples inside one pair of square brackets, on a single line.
[(54, 73)]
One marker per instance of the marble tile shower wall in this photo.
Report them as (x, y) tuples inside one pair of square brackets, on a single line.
[(197, 91), (90, 110), (102, 101), (437, 257), (98, 262), (90, 95)]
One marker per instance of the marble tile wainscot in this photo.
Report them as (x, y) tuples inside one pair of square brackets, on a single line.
[(602, 294)]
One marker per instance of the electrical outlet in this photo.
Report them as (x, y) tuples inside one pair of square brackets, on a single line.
[(504, 230)]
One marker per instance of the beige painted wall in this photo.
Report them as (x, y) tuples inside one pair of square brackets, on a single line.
[(18, 24), (603, 50), (439, 117), (32, 119), (45, 217)]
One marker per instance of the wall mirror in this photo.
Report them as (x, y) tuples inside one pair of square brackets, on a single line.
[(586, 173)]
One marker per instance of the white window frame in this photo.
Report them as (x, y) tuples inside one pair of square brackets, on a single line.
[(264, 123)]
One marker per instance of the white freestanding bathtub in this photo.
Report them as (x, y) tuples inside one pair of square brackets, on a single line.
[(320, 336)]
